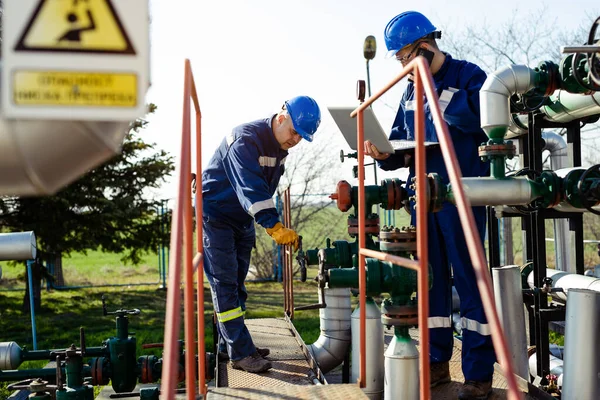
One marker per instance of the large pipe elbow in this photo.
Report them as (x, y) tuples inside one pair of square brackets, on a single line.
[(495, 94), (332, 345), (557, 146)]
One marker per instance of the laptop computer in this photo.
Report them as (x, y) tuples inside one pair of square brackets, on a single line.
[(373, 131)]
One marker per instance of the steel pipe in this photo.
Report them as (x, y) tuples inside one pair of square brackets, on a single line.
[(494, 192), (556, 367), (17, 246), (401, 368), (567, 282), (509, 303), (581, 362), (567, 106), (495, 93), (563, 238), (330, 348), (374, 341)]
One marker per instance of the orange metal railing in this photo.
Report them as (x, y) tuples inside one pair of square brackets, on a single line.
[(424, 86), (182, 237), (288, 259)]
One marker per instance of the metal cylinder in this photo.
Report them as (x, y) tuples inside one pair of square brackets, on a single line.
[(10, 356), (582, 346), (374, 349), (17, 246), (494, 192), (567, 282), (556, 367), (570, 106), (509, 304), (401, 369), (330, 348)]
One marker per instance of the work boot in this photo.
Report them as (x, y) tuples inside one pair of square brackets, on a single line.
[(262, 352), (439, 373), (253, 363), (475, 390)]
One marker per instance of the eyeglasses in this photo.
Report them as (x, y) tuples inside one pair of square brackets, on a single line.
[(408, 56)]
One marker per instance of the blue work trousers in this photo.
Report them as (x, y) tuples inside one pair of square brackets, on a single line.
[(448, 249), (227, 250)]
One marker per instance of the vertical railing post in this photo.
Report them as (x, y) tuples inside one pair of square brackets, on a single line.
[(362, 277), (422, 243)]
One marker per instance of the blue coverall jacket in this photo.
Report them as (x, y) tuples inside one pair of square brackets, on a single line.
[(237, 188), (458, 83)]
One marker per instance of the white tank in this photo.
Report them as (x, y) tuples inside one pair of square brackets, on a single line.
[(374, 348), (401, 369)]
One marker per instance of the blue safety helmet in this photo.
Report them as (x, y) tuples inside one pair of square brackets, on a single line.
[(305, 114), (404, 29)]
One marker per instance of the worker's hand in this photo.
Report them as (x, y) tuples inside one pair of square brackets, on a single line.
[(373, 152), (283, 235)]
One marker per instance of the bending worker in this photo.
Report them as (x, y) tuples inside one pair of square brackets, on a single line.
[(237, 188), (457, 82)]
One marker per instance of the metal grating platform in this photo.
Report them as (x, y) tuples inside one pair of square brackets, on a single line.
[(321, 392), (289, 377)]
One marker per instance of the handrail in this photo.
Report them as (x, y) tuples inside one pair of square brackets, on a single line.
[(182, 221), (288, 259), (423, 82)]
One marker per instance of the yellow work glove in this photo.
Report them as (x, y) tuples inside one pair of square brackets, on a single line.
[(283, 235)]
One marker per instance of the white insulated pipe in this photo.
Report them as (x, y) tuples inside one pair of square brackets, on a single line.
[(563, 237), (401, 369), (489, 191), (496, 91), (556, 367), (582, 347), (374, 351), (567, 106), (330, 348), (509, 304), (17, 246), (567, 282)]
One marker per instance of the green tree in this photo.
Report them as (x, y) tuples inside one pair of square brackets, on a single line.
[(107, 209)]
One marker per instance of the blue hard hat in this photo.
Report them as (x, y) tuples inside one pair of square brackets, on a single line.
[(305, 114), (404, 29)]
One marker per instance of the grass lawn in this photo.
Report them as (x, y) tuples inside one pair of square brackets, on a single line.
[(64, 311)]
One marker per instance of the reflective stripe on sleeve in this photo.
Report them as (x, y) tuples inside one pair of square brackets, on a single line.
[(445, 98), (230, 315), (261, 205), (265, 161), (439, 322), (476, 326)]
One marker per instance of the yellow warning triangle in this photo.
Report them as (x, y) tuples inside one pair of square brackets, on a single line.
[(77, 26)]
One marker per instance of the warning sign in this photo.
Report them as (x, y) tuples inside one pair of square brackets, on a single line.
[(84, 26), (74, 89)]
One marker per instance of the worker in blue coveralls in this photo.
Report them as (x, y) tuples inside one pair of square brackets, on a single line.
[(237, 188), (458, 83)]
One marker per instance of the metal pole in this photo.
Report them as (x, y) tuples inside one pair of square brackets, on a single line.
[(31, 304), (581, 363), (509, 302)]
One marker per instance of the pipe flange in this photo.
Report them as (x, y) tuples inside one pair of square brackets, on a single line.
[(99, 377), (147, 364), (403, 234), (399, 315), (404, 247), (371, 226), (343, 196), (507, 149), (396, 194)]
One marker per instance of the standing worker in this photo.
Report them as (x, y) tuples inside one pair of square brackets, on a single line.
[(237, 188), (458, 83)]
